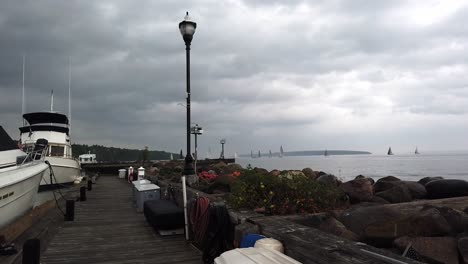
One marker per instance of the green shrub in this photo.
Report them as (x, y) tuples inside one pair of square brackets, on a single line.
[(280, 195)]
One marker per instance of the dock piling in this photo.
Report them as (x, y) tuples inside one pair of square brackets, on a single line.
[(82, 194), (70, 210), (32, 251)]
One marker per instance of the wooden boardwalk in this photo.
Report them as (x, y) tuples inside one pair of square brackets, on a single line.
[(107, 229)]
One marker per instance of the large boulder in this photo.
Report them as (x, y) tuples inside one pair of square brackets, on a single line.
[(357, 219), (309, 173), (446, 188), (328, 179), (385, 183), (457, 220), (431, 249), (335, 227), (417, 190), (358, 190), (426, 180), (425, 223), (463, 249), (396, 194)]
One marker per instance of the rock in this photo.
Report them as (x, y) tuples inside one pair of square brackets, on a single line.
[(457, 220), (309, 173), (417, 190), (335, 227), (328, 179), (378, 200), (320, 173), (426, 180), (463, 249), (397, 194), (364, 177), (358, 190), (385, 183), (274, 173), (389, 178), (431, 249), (357, 219), (292, 174), (427, 223), (446, 188), (260, 170)]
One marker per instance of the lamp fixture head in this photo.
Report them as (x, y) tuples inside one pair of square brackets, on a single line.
[(187, 29)]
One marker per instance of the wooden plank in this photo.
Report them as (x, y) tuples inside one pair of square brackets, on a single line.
[(107, 229)]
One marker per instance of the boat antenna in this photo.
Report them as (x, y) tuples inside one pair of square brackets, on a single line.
[(69, 91), (23, 106), (52, 101)]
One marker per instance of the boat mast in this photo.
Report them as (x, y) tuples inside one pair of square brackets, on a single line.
[(52, 101), (69, 92), (23, 106)]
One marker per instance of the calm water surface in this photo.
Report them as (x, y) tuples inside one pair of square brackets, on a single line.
[(409, 167)]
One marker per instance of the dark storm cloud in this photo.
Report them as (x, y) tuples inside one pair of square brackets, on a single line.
[(263, 72)]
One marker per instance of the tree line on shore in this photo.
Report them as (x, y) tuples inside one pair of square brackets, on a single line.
[(104, 153)]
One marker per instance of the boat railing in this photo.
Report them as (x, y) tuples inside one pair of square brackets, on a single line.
[(37, 154)]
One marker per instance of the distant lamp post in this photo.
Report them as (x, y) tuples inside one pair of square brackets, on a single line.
[(187, 29), (222, 141), (196, 130)]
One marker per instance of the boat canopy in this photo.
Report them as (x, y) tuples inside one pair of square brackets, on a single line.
[(6, 143), (27, 129), (45, 117)]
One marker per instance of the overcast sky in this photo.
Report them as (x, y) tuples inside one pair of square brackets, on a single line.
[(360, 75)]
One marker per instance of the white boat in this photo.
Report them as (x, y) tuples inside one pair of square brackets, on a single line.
[(87, 158), (54, 127), (20, 174)]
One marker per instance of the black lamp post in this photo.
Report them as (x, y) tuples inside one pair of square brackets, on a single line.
[(187, 29)]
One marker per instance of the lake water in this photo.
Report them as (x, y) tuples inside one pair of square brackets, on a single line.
[(409, 167)]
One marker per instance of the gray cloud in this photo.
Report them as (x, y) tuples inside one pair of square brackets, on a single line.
[(327, 74)]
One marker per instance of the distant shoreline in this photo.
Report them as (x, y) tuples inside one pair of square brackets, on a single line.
[(313, 153)]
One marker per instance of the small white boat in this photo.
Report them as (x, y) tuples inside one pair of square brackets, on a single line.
[(87, 158), (20, 174)]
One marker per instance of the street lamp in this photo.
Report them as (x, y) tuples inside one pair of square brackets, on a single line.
[(187, 29), (196, 130), (222, 142)]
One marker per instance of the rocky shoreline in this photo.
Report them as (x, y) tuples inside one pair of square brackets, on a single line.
[(423, 219)]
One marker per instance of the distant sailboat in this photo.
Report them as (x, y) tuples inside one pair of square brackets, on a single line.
[(259, 155), (281, 152), (270, 155), (235, 155), (390, 151), (416, 152), (325, 153)]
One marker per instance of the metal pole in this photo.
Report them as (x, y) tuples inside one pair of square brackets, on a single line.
[(188, 170), (184, 195), (196, 155)]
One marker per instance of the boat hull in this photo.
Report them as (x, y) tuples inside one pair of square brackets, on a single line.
[(20, 195), (65, 171)]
